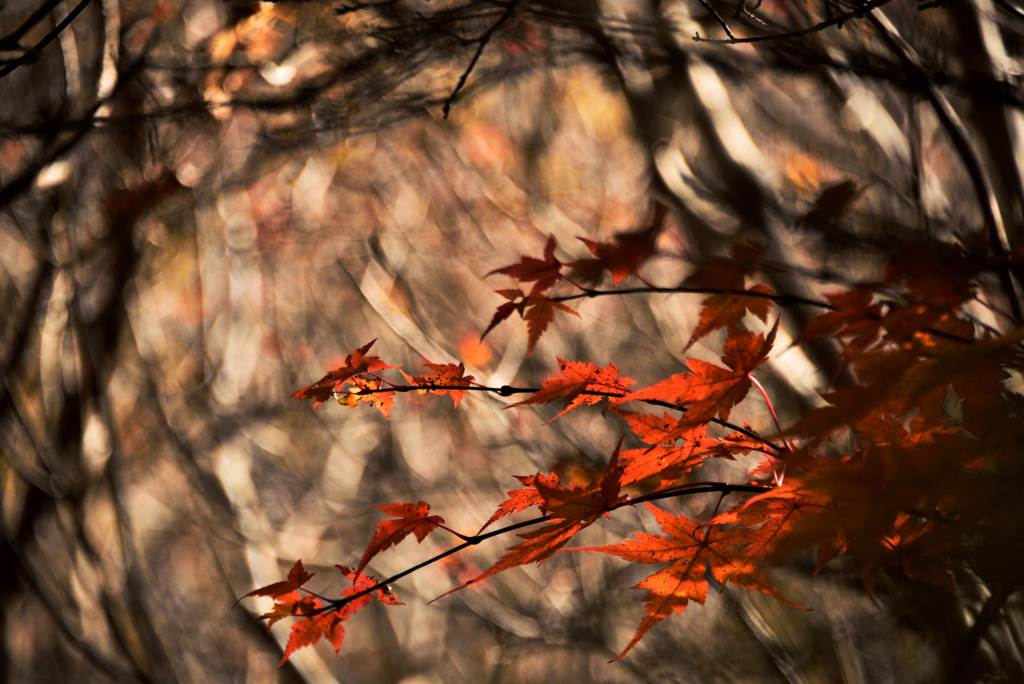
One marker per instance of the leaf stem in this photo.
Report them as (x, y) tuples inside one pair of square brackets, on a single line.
[(776, 475)]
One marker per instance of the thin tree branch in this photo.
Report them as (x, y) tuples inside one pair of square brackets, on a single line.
[(506, 391), (780, 299), (484, 39), (33, 53), (718, 17), (837, 21), (12, 41), (999, 242), (959, 670), (702, 488)]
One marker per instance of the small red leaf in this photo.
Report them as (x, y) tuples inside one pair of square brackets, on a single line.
[(412, 518), (543, 272)]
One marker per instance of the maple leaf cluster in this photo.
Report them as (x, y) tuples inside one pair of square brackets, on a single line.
[(935, 437), (317, 620), (620, 258)]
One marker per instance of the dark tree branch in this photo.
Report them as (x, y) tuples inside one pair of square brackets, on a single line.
[(720, 487), (12, 41), (484, 39), (999, 241), (32, 54), (960, 669), (837, 21), (718, 17)]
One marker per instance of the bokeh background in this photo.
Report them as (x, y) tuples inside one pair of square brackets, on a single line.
[(206, 204)]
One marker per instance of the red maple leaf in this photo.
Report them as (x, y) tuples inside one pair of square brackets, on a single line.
[(284, 606), (355, 363), (310, 630), (328, 624), (726, 276), (693, 550), (544, 273), (517, 302), (412, 518), (721, 310), (538, 312), (710, 390), (384, 401), (764, 520), (727, 273), (853, 316), (576, 378), (670, 462), (297, 576), (445, 375), (571, 509), (624, 255)]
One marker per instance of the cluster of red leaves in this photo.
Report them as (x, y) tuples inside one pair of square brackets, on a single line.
[(927, 480), (317, 621), (351, 372), (621, 258)]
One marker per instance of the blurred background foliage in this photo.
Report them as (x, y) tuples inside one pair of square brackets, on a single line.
[(208, 203)]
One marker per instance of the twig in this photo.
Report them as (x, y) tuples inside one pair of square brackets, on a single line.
[(704, 488), (484, 39), (968, 647), (785, 300), (33, 53), (355, 7), (718, 17), (837, 20), (12, 40), (780, 299), (999, 242), (472, 541)]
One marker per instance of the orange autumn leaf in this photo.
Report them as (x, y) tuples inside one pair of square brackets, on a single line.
[(544, 273), (571, 509), (320, 622), (575, 379), (540, 311), (447, 375), (297, 576), (537, 310), (355, 363), (764, 520), (671, 462), (692, 549), (721, 310), (710, 391), (309, 631), (367, 391)]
